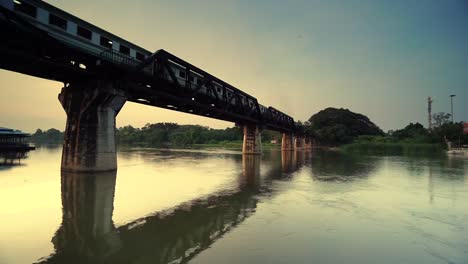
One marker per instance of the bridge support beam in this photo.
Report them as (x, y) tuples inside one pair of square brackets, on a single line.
[(91, 108), (252, 140), (299, 142), (287, 142)]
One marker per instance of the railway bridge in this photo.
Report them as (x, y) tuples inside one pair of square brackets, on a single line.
[(102, 71)]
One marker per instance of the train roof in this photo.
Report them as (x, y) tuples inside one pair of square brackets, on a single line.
[(68, 16)]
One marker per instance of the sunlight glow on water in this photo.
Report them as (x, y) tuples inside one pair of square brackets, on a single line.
[(215, 206)]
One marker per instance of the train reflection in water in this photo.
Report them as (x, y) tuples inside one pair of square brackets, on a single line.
[(88, 235)]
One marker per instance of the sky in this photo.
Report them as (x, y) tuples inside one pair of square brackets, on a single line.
[(379, 58)]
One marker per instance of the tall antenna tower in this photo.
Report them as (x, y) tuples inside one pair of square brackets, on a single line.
[(429, 112)]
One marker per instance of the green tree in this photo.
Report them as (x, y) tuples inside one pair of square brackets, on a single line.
[(333, 126), (452, 132), (415, 132), (440, 119)]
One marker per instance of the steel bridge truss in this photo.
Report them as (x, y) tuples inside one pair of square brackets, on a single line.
[(162, 80), (201, 93)]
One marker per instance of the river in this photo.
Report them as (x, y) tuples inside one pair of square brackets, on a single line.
[(216, 206)]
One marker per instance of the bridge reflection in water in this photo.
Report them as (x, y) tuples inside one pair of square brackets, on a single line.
[(88, 235)]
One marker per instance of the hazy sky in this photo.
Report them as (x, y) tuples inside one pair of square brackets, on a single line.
[(379, 58)]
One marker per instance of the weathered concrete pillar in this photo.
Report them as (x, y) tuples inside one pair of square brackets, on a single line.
[(91, 109), (252, 140), (287, 142), (299, 142)]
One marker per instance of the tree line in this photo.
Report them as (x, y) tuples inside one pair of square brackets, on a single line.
[(329, 127), (336, 127), (172, 134), (47, 136), (165, 134)]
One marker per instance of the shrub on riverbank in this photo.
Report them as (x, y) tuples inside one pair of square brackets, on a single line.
[(414, 139)]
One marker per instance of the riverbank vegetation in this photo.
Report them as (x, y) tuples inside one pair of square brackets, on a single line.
[(48, 136), (174, 135), (355, 133), (414, 139), (170, 135)]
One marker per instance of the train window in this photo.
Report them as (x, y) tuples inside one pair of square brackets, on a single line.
[(140, 56), (199, 81), (83, 32), (105, 42), (181, 74), (218, 89), (57, 21), (125, 50), (25, 8), (191, 79)]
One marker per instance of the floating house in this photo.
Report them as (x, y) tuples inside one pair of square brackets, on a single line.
[(13, 145)]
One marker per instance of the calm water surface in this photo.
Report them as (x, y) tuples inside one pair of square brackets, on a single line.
[(215, 206)]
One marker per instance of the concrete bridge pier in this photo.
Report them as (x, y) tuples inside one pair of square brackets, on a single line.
[(91, 108), (252, 140), (299, 142), (287, 142)]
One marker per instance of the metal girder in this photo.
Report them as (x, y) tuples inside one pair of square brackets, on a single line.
[(140, 92)]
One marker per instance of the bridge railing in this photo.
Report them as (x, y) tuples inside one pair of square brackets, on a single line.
[(118, 58)]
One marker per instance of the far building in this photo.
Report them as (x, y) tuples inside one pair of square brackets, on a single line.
[(13, 145)]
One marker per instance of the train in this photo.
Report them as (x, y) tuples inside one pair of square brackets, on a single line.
[(92, 40)]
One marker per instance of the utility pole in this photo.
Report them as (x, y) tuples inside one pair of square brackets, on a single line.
[(429, 112), (451, 104)]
